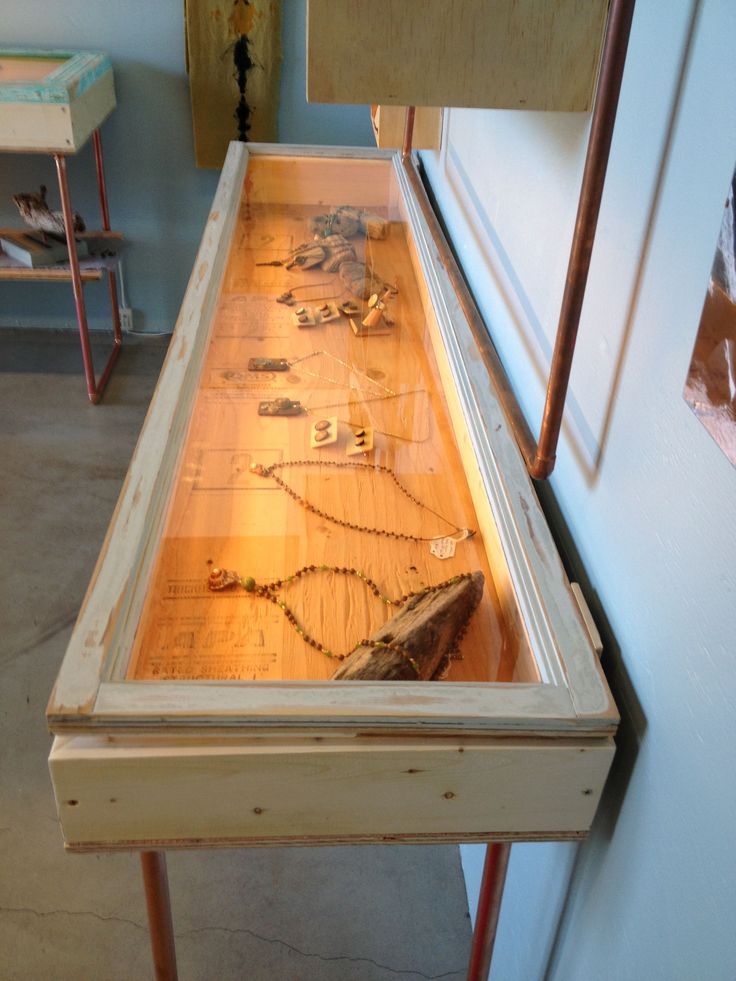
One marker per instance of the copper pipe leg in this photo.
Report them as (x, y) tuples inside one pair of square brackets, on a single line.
[(94, 388), (160, 924), (77, 287), (489, 906), (112, 285), (613, 60), (408, 133), (102, 189)]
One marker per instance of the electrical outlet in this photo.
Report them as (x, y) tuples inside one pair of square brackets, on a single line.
[(126, 318)]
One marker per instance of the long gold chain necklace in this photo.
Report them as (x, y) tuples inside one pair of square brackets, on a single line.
[(221, 579), (271, 471), (354, 402), (292, 362)]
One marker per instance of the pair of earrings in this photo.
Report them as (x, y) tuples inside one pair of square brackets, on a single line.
[(324, 432), (307, 317), (362, 441)]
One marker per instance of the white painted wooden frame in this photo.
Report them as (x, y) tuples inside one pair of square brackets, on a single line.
[(117, 740)]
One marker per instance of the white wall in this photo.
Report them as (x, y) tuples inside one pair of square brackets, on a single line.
[(642, 499), (157, 196)]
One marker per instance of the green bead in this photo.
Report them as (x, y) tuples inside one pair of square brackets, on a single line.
[(249, 584)]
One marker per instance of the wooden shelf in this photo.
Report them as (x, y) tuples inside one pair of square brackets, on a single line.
[(53, 274), (92, 268)]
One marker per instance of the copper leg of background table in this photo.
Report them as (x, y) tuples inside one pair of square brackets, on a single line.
[(160, 924), (112, 285), (94, 388), (89, 368), (489, 906)]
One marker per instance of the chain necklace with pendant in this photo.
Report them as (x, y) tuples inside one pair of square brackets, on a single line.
[(222, 579), (271, 471)]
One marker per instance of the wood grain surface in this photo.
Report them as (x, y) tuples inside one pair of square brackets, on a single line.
[(509, 54)]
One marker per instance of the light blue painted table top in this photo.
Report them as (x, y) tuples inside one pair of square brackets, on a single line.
[(63, 83)]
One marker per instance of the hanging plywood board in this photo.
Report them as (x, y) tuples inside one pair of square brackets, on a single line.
[(508, 54), (234, 62)]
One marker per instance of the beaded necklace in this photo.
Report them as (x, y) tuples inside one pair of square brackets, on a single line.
[(270, 471), (221, 579)]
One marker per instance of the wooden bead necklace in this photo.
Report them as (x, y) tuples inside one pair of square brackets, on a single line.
[(270, 471), (221, 579)]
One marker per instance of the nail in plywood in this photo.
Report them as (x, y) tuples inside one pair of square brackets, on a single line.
[(508, 54)]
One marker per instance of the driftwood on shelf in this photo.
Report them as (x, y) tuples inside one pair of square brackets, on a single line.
[(426, 630)]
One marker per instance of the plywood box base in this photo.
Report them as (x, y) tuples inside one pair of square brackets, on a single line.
[(159, 792), (52, 101)]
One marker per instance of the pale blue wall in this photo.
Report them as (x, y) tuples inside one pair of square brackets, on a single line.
[(645, 495), (647, 498), (157, 196)]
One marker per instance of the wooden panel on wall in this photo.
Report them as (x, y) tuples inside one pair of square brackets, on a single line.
[(509, 54), (389, 122), (234, 63)]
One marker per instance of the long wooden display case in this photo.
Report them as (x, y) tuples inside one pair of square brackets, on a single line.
[(185, 716)]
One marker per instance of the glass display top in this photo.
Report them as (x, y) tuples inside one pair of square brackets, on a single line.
[(321, 485)]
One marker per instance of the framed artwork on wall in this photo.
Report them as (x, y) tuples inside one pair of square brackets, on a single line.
[(233, 50), (710, 389)]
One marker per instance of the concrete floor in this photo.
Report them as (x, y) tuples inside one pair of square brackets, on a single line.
[(331, 914)]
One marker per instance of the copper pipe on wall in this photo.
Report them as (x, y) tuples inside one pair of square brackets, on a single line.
[(591, 192), (408, 133), (540, 457)]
